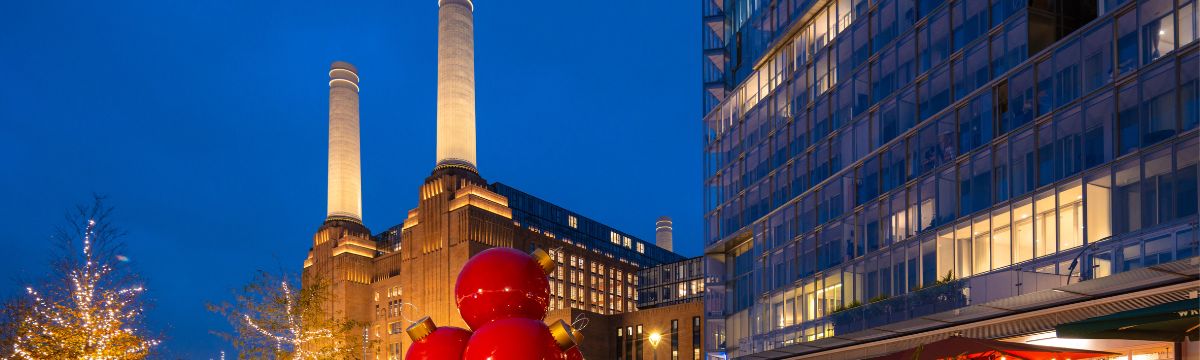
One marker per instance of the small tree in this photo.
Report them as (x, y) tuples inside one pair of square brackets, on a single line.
[(90, 309), (272, 320)]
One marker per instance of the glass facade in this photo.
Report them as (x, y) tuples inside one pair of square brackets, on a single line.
[(671, 284), (868, 152)]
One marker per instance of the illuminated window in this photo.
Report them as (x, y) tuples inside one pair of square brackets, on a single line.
[(641, 248), (625, 241), (572, 222)]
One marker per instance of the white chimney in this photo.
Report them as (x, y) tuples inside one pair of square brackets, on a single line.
[(456, 84), (345, 169), (663, 233)]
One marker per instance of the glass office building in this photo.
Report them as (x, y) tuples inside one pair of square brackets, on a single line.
[(860, 154)]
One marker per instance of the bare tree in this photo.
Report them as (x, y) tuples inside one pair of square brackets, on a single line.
[(89, 307), (274, 319)]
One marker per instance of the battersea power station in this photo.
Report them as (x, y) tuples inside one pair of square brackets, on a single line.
[(640, 299)]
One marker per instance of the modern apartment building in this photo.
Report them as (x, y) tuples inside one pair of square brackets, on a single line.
[(880, 173)]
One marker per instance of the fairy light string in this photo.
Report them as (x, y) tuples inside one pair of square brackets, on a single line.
[(92, 322)]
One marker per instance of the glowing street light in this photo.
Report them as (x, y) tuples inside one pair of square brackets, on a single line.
[(654, 339)]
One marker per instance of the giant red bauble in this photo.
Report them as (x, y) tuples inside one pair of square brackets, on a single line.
[(574, 354), (513, 339), (501, 283), (444, 343)]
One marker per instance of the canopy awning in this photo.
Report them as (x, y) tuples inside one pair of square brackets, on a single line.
[(957, 347), (1164, 322)]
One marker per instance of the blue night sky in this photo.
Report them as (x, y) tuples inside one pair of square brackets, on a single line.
[(204, 122)]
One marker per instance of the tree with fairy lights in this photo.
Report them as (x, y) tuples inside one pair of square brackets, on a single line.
[(93, 311), (273, 320)]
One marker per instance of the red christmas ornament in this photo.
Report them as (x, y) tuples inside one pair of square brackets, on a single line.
[(513, 339), (574, 354), (431, 342), (502, 283)]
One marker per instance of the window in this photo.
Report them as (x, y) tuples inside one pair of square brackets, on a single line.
[(971, 71), (889, 125), (1001, 9), (971, 21), (1045, 154), (947, 207), (1128, 127), (1045, 224), (1069, 142), (1157, 201), (945, 253), (1097, 57), (935, 92), (572, 222), (394, 351), (1187, 24), (981, 245), (1158, 34), (1127, 41), (620, 345), (1158, 104), (906, 109), (674, 339), (1098, 198), (924, 7), (1186, 179), (1127, 197), (1023, 162), (962, 250), (925, 153), (868, 181), (1066, 73), (1189, 90), (1019, 107), (1016, 35), (1045, 87), (884, 80), (1001, 171), (981, 180), (1022, 230), (1001, 238), (885, 25), (925, 205), (999, 58), (975, 123), (906, 58), (1098, 129), (1070, 215), (893, 166), (695, 338), (934, 41)]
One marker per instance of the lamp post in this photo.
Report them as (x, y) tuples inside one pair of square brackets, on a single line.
[(654, 339)]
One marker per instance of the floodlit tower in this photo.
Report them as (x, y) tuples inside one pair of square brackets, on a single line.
[(456, 84), (345, 170)]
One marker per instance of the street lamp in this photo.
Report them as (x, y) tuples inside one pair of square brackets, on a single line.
[(654, 339)]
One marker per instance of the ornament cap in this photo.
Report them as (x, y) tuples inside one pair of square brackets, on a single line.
[(420, 329), (563, 335), (577, 334), (543, 258)]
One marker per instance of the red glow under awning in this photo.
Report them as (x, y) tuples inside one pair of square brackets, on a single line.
[(957, 347)]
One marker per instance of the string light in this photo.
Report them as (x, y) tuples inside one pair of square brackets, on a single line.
[(93, 323), (294, 338)]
